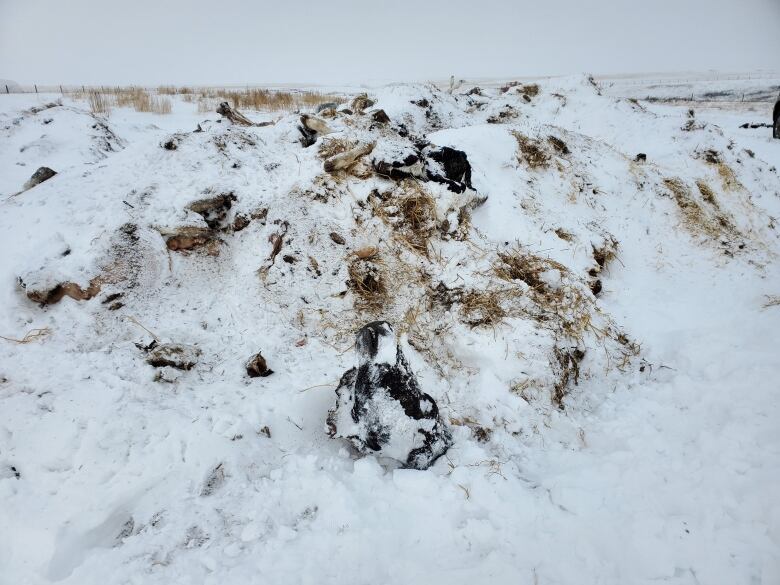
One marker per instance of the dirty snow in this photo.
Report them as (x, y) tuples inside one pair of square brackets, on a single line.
[(659, 465)]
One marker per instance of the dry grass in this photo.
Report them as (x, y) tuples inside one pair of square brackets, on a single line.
[(98, 103), (155, 100), (728, 178), (30, 336), (411, 212), (565, 307), (368, 281), (559, 145), (173, 90), (206, 106), (695, 217), (532, 151), (268, 99), (530, 89), (707, 193), (520, 265), (605, 253), (142, 101), (484, 307), (102, 100)]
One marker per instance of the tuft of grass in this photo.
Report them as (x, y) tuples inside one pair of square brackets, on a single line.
[(707, 193), (559, 145), (367, 280), (142, 101), (564, 307), (530, 89), (605, 253), (728, 178), (411, 211), (101, 101), (268, 99), (157, 100), (532, 151), (483, 307), (692, 212), (98, 103), (520, 265), (695, 217)]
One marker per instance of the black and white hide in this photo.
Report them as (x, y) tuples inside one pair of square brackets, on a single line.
[(380, 408)]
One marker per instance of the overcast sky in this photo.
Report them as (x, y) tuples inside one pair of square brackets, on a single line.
[(344, 41)]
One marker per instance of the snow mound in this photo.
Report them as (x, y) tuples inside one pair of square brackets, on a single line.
[(595, 327)]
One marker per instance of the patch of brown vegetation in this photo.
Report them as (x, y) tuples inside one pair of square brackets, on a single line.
[(270, 99), (99, 103), (563, 307), (707, 193), (480, 308), (605, 253), (695, 217), (142, 101), (728, 178), (520, 265), (506, 114), (532, 151), (411, 211), (559, 145), (530, 89), (367, 280)]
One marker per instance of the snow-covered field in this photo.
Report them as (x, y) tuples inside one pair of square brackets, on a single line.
[(600, 335)]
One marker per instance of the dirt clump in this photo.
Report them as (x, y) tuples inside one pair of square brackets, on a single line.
[(257, 367)]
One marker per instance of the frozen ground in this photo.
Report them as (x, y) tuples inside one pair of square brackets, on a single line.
[(660, 465)]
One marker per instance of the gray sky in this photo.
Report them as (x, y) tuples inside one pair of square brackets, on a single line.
[(345, 41)]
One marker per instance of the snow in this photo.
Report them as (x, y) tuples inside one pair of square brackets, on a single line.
[(661, 469)]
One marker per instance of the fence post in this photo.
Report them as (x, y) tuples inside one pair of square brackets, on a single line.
[(62, 92), (36, 88), (6, 89), (83, 90)]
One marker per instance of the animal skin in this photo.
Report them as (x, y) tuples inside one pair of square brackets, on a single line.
[(380, 408)]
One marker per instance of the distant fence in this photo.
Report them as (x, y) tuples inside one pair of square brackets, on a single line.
[(764, 87), (675, 80), (63, 89)]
